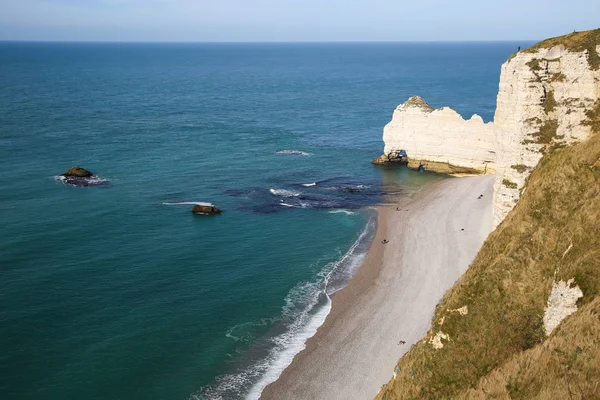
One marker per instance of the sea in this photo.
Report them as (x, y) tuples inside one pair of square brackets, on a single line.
[(116, 290)]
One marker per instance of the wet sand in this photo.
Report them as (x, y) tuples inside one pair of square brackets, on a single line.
[(393, 295)]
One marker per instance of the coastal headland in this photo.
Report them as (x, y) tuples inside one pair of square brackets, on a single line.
[(432, 237)]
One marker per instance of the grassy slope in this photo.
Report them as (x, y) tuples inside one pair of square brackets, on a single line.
[(507, 286), (566, 366), (575, 42), (498, 350)]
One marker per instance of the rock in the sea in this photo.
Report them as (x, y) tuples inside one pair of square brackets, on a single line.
[(78, 172), (438, 140), (78, 176), (205, 210), (394, 157)]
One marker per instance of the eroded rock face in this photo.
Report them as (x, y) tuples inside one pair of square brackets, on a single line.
[(561, 303), (205, 210), (542, 101), (439, 140)]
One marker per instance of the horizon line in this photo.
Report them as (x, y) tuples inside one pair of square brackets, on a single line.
[(261, 42)]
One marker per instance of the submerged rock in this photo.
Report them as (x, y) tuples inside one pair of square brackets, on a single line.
[(205, 210)]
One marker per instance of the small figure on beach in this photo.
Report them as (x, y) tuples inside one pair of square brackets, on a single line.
[(480, 197), (519, 48), (397, 208), (402, 342), (462, 229), (385, 241)]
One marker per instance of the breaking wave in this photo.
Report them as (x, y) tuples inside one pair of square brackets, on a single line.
[(293, 152), (347, 212), (306, 307), (81, 181), (284, 193), (190, 203)]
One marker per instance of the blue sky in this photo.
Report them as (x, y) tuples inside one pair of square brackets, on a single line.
[(293, 20)]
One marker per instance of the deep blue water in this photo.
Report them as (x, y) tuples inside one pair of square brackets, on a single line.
[(109, 293)]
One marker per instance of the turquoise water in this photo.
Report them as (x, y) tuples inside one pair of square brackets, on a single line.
[(118, 291)]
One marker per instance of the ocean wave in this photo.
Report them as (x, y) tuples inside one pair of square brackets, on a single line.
[(82, 181), (284, 193), (299, 204), (306, 307), (347, 212), (241, 332), (309, 184), (348, 188), (190, 203), (293, 152)]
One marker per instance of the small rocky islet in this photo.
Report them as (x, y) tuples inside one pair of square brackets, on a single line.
[(205, 210), (78, 176)]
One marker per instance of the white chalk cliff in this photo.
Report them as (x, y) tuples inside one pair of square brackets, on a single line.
[(442, 136), (544, 95)]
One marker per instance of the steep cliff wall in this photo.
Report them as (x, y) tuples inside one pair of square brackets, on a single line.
[(533, 291), (542, 101), (544, 96), (440, 140), (504, 347)]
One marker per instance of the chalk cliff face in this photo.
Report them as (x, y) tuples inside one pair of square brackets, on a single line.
[(440, 140), (544, 97), (542, 102)]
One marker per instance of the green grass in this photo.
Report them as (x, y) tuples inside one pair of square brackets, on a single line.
[(509, 184), (519, 167), (575, 42), (558, 77), (547, 132), (499, 349), (549, 102), (593, 116), (534, 65)]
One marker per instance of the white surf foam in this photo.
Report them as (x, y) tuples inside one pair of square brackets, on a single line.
[(299, 309), (294, 341), (347, 212), (190, 203), (91, 181), (293, 152), (309, 184), (284, 193)]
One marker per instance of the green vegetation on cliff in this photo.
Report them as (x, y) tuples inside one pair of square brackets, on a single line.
[(575, 42), (499, 348)]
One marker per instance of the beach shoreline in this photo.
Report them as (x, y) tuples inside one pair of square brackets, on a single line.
[(433, 237)]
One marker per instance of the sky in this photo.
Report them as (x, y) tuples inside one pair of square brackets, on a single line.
[(293, 20)]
